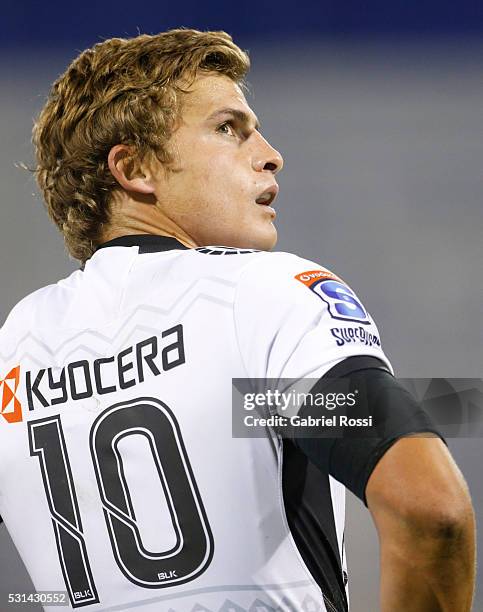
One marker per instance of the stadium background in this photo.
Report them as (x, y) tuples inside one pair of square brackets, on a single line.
[(377, 109)]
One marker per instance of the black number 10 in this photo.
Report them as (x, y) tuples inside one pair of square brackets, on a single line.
[(193, 550)]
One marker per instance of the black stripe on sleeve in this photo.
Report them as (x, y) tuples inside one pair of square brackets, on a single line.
[(351, 458)]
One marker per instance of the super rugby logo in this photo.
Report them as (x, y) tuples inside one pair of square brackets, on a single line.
[(342, 302), (11, 408)]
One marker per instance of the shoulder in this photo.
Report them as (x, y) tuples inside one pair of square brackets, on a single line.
[(18, 323), (285, 283), (251, 259), (278, 271), (22, 312), (246, 265), (24, 315), (277, 286)]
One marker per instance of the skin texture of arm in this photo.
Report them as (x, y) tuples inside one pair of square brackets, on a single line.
[(423, 514)]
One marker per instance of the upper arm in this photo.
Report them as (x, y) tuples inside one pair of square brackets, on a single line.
[(417, 484)]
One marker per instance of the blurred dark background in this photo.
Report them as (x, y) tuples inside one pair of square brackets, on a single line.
[(55, 23), (377, 108)]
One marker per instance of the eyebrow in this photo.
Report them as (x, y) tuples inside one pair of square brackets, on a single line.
[(238, 114)]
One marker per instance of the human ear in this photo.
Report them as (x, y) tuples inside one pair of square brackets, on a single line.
[(127, 170)]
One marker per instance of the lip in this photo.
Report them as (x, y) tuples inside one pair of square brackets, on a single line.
[(273, 191)]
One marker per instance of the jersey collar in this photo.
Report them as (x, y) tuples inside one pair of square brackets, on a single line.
[(147, 243)]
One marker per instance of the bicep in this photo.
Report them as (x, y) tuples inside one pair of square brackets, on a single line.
[(418, 484)]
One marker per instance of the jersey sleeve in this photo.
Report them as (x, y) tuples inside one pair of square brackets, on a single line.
[(296, 319)]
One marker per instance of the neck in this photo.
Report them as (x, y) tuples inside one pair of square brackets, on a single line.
[(130, 217)]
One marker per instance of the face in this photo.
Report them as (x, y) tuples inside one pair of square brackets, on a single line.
[(222, 167)]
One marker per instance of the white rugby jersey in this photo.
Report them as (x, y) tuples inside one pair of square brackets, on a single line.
[(120, 480)]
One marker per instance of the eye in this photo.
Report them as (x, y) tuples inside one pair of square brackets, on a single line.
[(226, 128)]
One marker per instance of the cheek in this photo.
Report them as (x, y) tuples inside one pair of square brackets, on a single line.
[(221, 182), (217, 178), (206, 177)]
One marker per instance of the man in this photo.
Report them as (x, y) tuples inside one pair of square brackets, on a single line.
[(117, 420)]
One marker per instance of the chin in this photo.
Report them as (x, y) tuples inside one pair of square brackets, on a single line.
[(268, 244)]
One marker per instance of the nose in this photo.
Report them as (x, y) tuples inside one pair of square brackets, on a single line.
[(266, 157)]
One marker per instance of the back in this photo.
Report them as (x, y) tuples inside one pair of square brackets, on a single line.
[(120, 480)]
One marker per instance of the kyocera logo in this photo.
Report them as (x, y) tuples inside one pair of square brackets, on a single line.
[(11, 408), (82, 379)]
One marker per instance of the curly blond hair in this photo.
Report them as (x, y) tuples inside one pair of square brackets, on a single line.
[(119, 91)]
